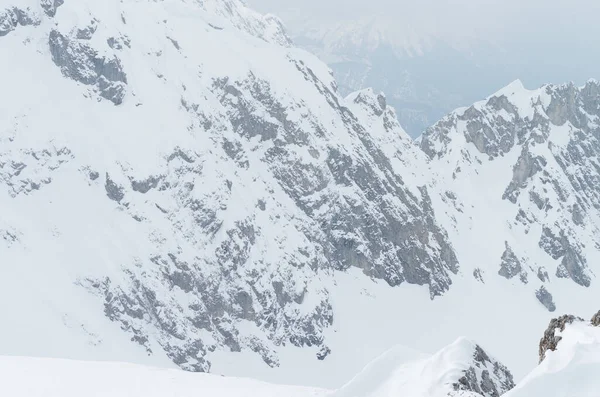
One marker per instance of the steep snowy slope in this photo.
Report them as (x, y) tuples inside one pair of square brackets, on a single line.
[(177, 182)]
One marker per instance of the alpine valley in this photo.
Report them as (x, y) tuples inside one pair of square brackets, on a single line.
[(181, 187)]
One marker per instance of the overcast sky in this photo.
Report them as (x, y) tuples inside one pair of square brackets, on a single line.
[(557, 39), (494, 19)]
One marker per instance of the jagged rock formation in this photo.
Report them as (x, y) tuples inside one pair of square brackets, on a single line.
[(82, 63), (550, 340), (485, 377), (511, 265)]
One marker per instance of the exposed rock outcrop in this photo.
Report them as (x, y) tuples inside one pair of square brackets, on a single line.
[(545, 298), (550, 340), (511, 265), (77, 60), (12, 17), (486, 376)]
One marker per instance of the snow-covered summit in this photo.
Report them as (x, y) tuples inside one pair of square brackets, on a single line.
[(460, 369)]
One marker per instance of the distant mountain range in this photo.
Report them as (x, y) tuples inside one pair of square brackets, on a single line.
[(425, 70)]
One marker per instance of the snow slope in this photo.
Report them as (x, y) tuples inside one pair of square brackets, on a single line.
[(36, 377), (462, 369), (399, 371)]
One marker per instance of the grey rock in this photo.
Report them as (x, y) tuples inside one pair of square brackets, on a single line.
[(510, 265), (146, 185), (527, 166), (88, 32), (113, 191), (395, 242), (550, 340), (578, 215), (50, 6), (573, 264), (10, 18), (118, 43), (80, 62), (485, 376), (545, 298), (262, 205), (175, 43), (542, 274), (551, 244), (477, 273), (494, 128), (323, 353)]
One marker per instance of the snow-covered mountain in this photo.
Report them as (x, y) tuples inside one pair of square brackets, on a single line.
[(178, 170), (532, 157), (181, 186)]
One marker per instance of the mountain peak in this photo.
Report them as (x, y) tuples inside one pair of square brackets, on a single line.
[(462, 367), (511, 89)]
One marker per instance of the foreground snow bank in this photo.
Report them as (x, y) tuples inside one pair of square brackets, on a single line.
[(462, 369), (570, 371), (38, 377), (459, 368)]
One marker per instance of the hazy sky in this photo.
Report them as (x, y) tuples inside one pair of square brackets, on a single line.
[(492, 19), (557, 39)]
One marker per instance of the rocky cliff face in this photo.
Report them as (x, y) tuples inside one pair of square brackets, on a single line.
[(234, 175)]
